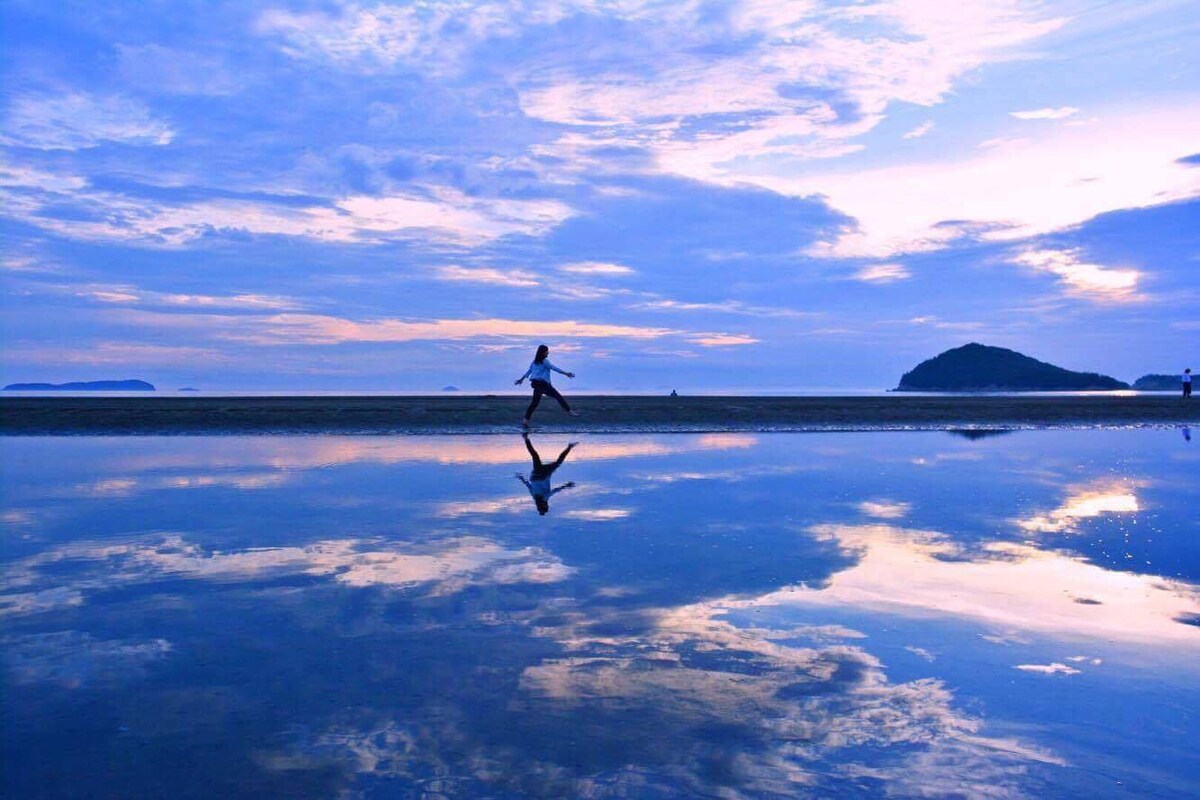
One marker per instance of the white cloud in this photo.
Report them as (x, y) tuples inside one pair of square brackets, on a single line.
[(721, 339), (596, 268), (487, 275), (1005, 586), (130, 295), (1086, 502), (445, 566), (1092, 281), (722, 307), (1065, 177), (1054, 668), (883, 273), (598, 514), (884, 509), (76, 120), (435, 213), (1046, 113), (919, 131), (872, 54)]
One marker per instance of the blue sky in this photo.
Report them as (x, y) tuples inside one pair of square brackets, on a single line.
[(700, 195)]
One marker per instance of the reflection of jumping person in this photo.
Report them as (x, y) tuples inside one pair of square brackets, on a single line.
[(1187, 382), (539, 378), (539, 477)]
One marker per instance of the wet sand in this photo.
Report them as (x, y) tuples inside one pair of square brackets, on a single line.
[(484, 414)]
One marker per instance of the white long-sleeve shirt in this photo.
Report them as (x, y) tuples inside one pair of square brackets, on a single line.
[(541, 372)]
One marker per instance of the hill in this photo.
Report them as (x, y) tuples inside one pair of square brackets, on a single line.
[(82, 386), (979, 368), (1158, 383)]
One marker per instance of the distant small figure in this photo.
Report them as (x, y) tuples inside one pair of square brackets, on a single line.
[(539, 378), (1187, 382), (674, 393), (1187, 433), (539, 477)]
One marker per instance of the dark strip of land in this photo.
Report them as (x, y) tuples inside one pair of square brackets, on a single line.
[(476, 414)]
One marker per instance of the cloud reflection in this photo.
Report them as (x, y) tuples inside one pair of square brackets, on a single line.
[(1095, 500), (1010, 586), (442, 567)]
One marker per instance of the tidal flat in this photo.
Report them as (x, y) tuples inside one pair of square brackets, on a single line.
[(745, 615), (599, 413)]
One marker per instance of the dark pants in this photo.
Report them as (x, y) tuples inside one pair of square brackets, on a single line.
[(540, 388), (1187, 389)]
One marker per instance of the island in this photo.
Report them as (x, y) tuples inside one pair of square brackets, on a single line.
[(83, 386), (976, 367), (1158, 383), (449, 388)]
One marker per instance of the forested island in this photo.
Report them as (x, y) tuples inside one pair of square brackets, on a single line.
[(83, 386), (976, 367)]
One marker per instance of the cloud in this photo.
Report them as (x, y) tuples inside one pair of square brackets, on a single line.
[(128, 295), (320, 329), (596, 268), (1048, 669), (436, 214), (1063, 178), (721, 339), (1091, 281), (1046, 113), (884, 509), (919, 131), (487, 275), (1005, 586), (1088, 502), (598, 514), (76, 121), (883, 273), (115, 354), (443, 567), (432, 37), (75, 659), (723, 307), (802, 81)]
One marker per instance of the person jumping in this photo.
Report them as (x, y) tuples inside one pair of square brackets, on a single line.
[(539, 378)]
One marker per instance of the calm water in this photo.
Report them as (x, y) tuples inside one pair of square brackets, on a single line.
[(849, 615)]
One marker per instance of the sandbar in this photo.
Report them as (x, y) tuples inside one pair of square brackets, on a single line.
[(599, 414)]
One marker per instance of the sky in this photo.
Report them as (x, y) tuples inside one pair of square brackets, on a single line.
[(707, 196)]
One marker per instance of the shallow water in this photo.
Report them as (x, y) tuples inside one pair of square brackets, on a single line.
[(776, 615)]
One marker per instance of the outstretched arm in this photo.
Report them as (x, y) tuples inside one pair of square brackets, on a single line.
[(560, 371), (522, 477), (523, 377), (567, 485)]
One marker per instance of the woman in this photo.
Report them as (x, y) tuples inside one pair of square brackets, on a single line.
[(538, 483), (539, 378)]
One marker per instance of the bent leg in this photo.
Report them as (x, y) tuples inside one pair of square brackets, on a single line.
[(550, 390)]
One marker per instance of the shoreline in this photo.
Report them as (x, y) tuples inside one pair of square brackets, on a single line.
[(599, 414)]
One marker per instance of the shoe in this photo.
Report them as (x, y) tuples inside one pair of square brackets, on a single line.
[(524, 423), (572, 413)]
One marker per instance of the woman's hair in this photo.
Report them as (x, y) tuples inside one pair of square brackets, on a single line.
[(542, 352)]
